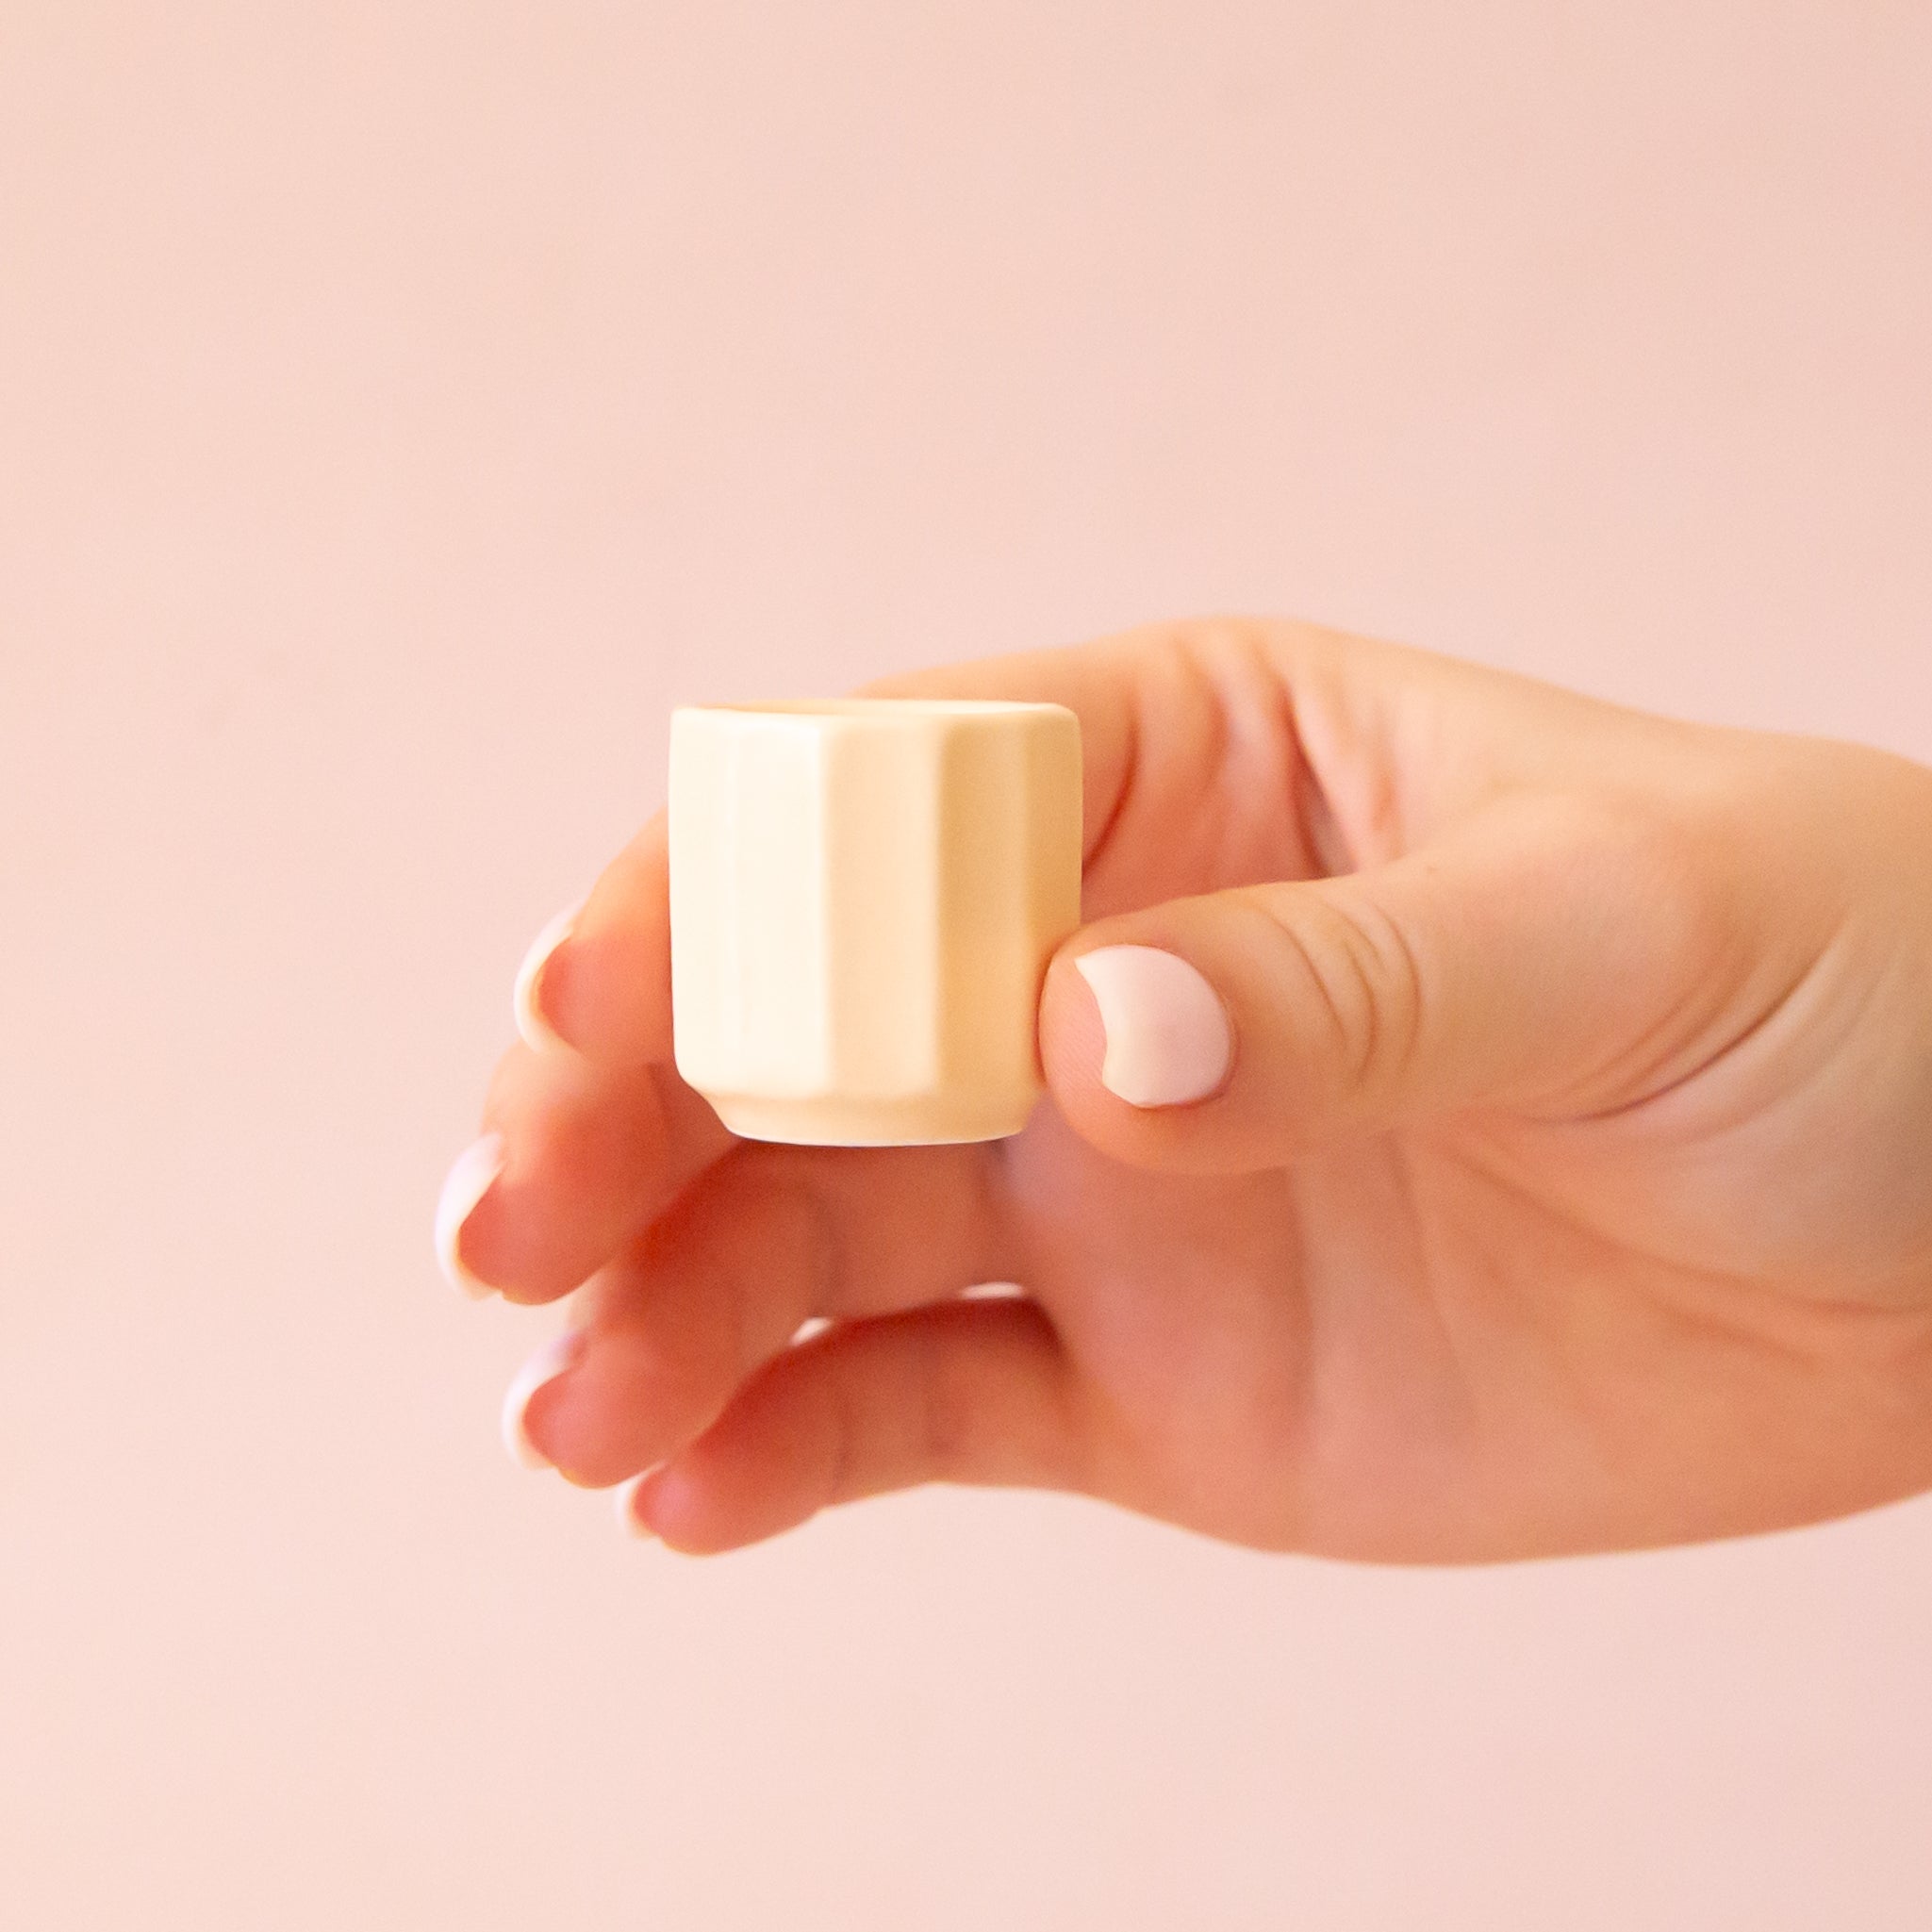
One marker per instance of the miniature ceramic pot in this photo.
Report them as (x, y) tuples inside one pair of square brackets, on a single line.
[(863, 896)]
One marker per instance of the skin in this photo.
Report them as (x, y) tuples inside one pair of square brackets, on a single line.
[(1570, 1189)]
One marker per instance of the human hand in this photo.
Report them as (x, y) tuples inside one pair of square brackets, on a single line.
[(1565, 1181)]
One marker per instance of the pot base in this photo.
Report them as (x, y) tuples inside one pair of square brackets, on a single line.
[(835, 1121)]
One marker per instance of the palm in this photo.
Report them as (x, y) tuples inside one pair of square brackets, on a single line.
[(1387, 1350)]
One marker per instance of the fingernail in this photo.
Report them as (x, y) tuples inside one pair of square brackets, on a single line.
[(469, 1180), (626, 1501), (1168, 1041), (558, 1355), (527, 1000)]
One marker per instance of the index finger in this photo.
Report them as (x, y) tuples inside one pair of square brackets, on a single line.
[(598, 980)]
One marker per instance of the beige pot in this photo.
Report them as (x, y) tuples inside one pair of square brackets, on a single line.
[(863, 896)]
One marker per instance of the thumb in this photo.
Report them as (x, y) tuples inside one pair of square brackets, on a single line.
[(1535, 961)]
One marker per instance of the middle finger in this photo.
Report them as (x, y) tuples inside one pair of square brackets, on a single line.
[(770, 1238)]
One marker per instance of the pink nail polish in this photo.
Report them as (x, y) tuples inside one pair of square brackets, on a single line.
[(626, 1503), (469, 1180), (557, 1356), (1168, 1040), (526, 1002)]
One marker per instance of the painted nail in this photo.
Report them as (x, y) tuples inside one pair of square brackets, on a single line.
[(1168, 1041), (469, 1180), (626, 1501), (557, 1356), (536, 1031)]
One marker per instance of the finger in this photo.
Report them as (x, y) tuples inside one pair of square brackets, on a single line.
[(575, 1158), (1544, 958), (598, 978), (1193, 770), (978, 1392), (769, 1239)]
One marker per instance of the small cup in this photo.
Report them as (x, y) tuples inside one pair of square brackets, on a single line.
[(863, 896)]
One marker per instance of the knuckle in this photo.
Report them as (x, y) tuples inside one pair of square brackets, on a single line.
[(1365, 978)]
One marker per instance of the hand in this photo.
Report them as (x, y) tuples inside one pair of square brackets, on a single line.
[(1565, 1181)]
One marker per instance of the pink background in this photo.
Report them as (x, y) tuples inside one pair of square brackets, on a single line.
[(401, 405)]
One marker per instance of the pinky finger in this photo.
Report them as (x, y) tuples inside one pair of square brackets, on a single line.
[(971, 1392)]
